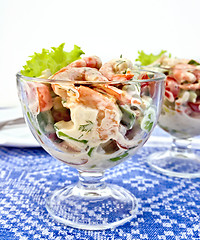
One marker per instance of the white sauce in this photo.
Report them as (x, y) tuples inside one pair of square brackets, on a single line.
[(84, 126), (179, 124), (79, 156)]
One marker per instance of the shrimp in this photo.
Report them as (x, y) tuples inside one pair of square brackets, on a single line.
[(190, 86), (122, 96), (196, 72), (169, 62), (87, 74), (81, 69), (75, 74), (108, 117), (94, 99), (117, 70), (108, 113), (39, 97), (44, 97), (80, 74), (182, 73), (92, 62)]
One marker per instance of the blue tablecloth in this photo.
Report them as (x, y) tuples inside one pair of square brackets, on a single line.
[(169, 208)]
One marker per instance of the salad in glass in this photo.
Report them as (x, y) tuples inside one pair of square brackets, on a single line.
[(91, 116), (180, 115)]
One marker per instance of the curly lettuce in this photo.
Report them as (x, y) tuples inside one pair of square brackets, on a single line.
[(53, 60), (147, 59), (193, 62)]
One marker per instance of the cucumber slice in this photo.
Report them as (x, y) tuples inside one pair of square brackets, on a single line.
[(128, 116), (148, 119), (90, 151), (46, 122), (119, 157), (61, 134)]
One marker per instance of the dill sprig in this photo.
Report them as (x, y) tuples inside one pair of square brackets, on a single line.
[(86, 127)]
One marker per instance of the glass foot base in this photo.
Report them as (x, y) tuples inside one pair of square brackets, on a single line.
[(99, 209), (175, 164)]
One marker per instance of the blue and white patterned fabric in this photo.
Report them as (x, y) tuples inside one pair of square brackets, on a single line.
[(169, 208)]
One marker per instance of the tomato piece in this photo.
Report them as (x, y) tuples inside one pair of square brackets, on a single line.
[(144, 76), (172, 86), (196, 72), (169, 95), (148, 88), (195, 106)]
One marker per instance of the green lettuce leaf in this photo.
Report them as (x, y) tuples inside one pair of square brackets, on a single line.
[(193, 62), (146, 59), (54, 60)]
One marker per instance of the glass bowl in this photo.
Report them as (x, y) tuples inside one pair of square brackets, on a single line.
[(180, 117), (92, 126)]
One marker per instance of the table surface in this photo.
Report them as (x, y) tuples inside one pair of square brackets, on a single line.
[(169, 207)]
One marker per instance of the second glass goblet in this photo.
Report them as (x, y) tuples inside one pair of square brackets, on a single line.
[(92, 126), (180, 117)]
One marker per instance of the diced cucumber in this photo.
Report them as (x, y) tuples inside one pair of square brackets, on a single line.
[(128, 116), (93, 166), (90, 151), (61, 134), (119, 158), (148, 120), (132, 89), (193, 96), (32, 122), (46, 122), (61, 128)]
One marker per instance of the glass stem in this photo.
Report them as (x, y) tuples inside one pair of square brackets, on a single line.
[(91, 181), (181, 145)]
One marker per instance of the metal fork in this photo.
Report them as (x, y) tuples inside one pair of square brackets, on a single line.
[(15, 121)]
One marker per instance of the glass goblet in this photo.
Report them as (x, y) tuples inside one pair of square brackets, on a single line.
[(93, 127), (180, 117)]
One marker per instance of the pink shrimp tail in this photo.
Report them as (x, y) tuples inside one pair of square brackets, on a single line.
[(92, 62)]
